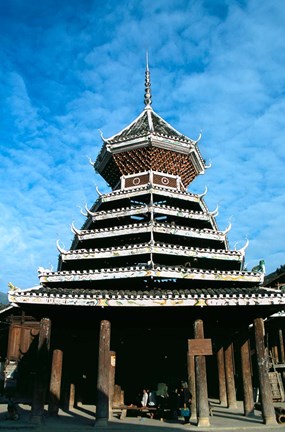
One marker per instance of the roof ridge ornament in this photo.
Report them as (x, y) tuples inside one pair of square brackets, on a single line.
[(147, 93)]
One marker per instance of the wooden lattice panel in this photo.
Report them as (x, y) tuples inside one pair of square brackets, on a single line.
[(156, 159)]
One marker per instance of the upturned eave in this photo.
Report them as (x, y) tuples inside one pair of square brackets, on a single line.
[(206, 234), (148, 248), (48, 277), (147, 208)]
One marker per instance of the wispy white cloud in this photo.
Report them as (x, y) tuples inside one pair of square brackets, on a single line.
[(69, 70)]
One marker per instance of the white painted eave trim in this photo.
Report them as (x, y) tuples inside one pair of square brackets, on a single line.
[(144, 301)]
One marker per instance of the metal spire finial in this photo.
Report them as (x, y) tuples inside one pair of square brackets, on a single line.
[(147, 93)]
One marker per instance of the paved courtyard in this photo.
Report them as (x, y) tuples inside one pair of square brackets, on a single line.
[(82, 418)]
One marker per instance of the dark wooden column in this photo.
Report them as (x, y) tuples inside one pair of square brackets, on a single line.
[(274, 345), (281, 346), (222, 376), (112, 382), (201, 380), (230, 378), (248, 401), (102, 408), (55, 382), (191, 384), (71, 402), (267, 406), (41, 377)]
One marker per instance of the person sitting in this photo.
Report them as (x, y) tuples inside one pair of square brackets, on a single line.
[(144, 398), (185, 403), (152, 402), (152, 398), (162, 395)]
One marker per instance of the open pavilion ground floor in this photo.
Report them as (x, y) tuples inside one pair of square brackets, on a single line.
[(68, 360)]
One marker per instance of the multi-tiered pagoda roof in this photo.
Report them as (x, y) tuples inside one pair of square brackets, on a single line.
[(150, 241)]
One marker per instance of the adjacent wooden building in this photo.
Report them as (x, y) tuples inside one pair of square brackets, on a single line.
[(147, 273)]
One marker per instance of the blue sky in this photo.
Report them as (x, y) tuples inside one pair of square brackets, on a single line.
[(69, 68)]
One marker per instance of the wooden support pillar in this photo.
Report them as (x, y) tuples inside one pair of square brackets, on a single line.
[(274, 346), (71, 402), (222, 376), (55, 382), (230, 378), (118, 396), (201, 380), (248, 400), (275, 354), (28, 333), (102, 408), (191, 384), (281, 346), (112, 382), (122, 397), (41, 377), (267, 406)]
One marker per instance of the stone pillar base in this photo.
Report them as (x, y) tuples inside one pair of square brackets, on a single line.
[(270, 421), (36, 419), (203, 421), (101, 423), (249, 414)]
